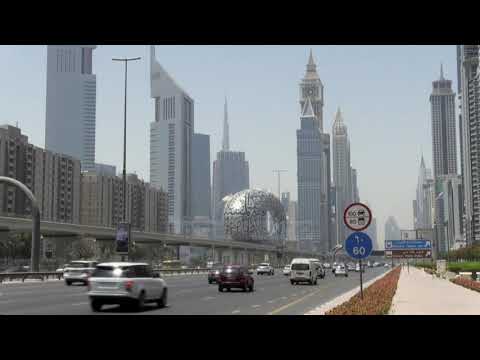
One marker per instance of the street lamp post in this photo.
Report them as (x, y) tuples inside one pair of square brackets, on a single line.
[(125, 60)]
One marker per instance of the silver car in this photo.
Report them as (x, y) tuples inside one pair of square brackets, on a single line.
[(127, 285), (341, 270), (78, 271)]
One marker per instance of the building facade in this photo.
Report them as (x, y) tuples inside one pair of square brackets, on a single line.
[(230, 175), (392, 230), (470, 122), (171, 144), (201, 188), (53, 178), (71, 103), (104, 169), (342, 174), (102, 203), (313, 167), (451, 188), (423, 211)]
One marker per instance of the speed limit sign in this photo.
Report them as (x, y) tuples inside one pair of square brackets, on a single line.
[(357, 217)]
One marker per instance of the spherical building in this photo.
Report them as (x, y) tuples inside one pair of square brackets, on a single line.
[(256, 216)]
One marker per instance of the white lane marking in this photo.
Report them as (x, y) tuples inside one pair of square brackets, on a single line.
[(255, 306), (294, 294), (284, 298), (235, 311), (5, 301), (208, 298), (77, 294), (183, 292), (271, 301), (80, 303)]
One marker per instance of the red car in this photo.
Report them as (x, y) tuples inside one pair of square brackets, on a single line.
[(235, 277)]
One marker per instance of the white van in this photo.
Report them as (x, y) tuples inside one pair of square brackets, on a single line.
[(303, 270)]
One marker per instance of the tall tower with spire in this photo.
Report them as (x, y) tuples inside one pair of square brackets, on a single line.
[(444, 142), (226, 130), (311, 87), (442, 101), (230, 175), (342, 176)]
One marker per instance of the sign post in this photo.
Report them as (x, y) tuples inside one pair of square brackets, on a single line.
[(359, 246), (357, 217)]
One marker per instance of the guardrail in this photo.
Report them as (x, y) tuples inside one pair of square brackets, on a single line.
[(30, 275)]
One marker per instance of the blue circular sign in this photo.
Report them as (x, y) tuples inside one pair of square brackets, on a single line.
[(358, 245)]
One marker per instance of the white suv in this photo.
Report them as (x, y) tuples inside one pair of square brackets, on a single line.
[(78, 271), (126, 284), (265, 268)]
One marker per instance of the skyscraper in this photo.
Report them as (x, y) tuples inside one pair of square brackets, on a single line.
[(355, 192), (442, 102), (392, 231), (230, 175), (313, 166), (470, 121), (341, 174), (424, 212), (201, 194), (71, 102), (171, 143)]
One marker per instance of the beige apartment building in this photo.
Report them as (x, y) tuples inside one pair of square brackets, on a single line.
[(102, 199), (53, 178)]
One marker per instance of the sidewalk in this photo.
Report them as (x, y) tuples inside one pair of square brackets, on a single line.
[(419, 293)]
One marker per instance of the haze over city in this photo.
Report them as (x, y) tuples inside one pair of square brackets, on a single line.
[(383, 93)]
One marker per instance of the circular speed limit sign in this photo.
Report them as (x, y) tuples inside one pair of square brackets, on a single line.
[(357, 217)]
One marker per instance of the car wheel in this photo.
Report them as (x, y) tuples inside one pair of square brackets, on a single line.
[(315, 283), (69, 283), (96, 305), (163, 300), (228, 289), (209, 281), (251, 287), (140, 301), (245, 287), (220, 288), (346, 275)]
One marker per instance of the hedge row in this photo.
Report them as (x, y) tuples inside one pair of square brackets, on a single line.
[(467, 282), (377, 298)]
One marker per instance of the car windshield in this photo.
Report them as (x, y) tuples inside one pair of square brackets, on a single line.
[(111, 272), (300, 267), (78, 265)]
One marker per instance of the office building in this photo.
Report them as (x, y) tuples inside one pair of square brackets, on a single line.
[(230, 175), (102, 203), (423, 212), (201, 193), (342, 174), (171, 144), (104, 169), (313, 166), (392, 230), (452, 199), (71, 103), (470, 122), (54, 179)]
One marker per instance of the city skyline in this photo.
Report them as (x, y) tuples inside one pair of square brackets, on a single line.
[(371, 182)]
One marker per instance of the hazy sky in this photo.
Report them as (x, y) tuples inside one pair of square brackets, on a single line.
[(383, 92)]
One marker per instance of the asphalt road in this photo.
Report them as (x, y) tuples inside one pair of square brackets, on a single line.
[(188, 295)]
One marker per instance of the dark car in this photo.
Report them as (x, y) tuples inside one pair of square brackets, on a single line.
[(235, 277), (213, 274)]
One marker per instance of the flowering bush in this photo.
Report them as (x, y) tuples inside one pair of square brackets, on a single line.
[(377, 298), (467, 282)]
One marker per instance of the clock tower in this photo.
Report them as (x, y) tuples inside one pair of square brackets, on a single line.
[(311, 87)]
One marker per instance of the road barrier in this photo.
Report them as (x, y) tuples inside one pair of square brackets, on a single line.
[(30, 275)]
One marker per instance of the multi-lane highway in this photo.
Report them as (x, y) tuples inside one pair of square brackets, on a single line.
[(188, 295)]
